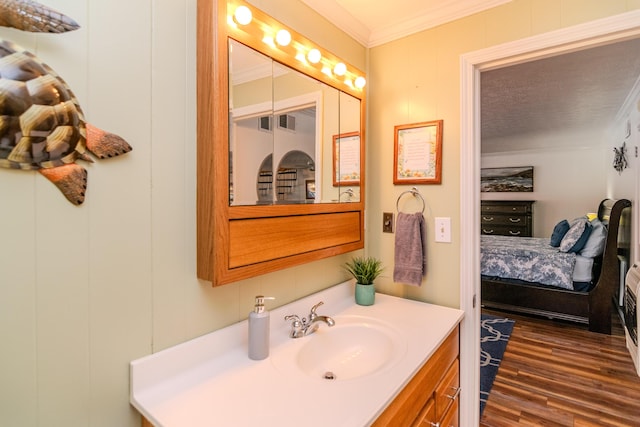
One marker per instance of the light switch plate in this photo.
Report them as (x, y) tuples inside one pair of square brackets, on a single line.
[(443, 229), (387, 222)]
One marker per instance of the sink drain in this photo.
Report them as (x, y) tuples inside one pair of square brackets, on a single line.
[(329, 375)]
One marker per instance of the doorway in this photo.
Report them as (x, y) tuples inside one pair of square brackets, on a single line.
[(607, 30)]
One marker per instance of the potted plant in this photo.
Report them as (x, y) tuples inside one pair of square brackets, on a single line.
[(365, 270)]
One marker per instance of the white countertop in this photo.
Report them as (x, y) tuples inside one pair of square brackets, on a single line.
[(210, 381)]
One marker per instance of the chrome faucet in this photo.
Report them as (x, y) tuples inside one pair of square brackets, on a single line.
[(303, 327)]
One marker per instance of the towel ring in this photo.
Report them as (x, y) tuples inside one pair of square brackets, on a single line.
[(414, 191)]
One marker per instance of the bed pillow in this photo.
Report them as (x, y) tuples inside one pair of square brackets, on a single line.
[(595, 243), (558, 233), (577, 236)]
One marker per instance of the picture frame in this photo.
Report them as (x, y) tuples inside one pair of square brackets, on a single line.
[(506, 179), (310, 189), (417, 157), (346, 159)]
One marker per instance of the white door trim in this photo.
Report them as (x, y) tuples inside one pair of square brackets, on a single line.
[(591, 34)]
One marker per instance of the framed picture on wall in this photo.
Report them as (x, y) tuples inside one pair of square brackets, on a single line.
[(346, 159), (310, 189), (508, 179), (417, 156)]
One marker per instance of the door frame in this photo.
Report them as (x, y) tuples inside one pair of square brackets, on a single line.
[(590, 34)]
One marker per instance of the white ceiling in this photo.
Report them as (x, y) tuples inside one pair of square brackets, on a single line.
[(374, 22), (579, 90)]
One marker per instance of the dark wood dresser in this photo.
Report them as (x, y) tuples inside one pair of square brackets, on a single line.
[(507, 217)]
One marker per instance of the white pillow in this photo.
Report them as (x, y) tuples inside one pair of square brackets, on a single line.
[(595, 243)]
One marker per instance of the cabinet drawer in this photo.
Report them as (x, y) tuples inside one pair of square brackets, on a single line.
[(427, 417), (488, 219), (503, 230), (452, 417), (506, 208), (448, 389)]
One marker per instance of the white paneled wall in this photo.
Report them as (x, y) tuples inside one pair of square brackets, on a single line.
[(85, 290), (75, 282)]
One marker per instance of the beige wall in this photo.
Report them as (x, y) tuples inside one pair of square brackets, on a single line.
[(560, 175), (84, 290), (416, 79)]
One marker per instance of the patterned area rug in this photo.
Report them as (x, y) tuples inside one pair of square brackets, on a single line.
[(494, 336)]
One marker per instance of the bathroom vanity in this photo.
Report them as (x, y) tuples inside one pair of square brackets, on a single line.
[(393, 363)]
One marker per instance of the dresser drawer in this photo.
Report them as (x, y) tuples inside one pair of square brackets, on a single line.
[(488, 219), (506, 208), (505, 231)]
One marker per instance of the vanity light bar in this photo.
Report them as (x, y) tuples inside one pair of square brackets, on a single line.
[(252, 26)]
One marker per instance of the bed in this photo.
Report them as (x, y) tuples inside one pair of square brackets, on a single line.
[(549, 292)]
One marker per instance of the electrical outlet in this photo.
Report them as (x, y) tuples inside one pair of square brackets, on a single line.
[(443, 230), (387, 222)]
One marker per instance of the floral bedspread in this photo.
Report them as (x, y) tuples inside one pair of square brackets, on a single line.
[(526, 258)]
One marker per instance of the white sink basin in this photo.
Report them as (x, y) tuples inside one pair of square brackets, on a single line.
[(356, 346)]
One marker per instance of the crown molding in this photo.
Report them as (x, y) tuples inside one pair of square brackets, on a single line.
[(421, 20)]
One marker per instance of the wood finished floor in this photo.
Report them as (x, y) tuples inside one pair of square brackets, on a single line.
[(560, 374)]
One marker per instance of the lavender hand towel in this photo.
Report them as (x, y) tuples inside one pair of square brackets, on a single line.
[(410, 259)]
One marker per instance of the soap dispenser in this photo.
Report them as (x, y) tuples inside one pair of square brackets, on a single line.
[(259, 330)]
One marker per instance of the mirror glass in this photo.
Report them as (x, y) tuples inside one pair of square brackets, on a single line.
[(292, 139)]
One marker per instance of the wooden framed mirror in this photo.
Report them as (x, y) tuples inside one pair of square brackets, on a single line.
[(240, 235)]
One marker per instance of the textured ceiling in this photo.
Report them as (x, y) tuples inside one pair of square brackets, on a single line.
[(580, 90)]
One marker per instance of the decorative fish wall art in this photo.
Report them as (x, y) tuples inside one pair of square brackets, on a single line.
[(42, 126)]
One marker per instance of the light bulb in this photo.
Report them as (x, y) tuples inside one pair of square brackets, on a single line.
[(340, 69), (314, 56), (243, 15), (361, 82), (283, 37)]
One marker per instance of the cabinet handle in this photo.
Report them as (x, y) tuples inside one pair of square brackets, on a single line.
[(514, 233), (485, 231), (487, 218), (455, 395), (515, 220)]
